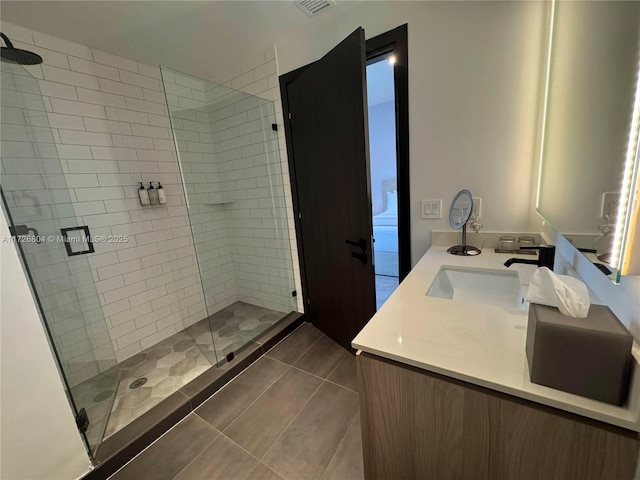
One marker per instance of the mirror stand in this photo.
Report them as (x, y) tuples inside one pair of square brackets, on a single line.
[(459, 214), (464, 249)]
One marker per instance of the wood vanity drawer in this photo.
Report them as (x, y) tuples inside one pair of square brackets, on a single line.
[(420, 425)]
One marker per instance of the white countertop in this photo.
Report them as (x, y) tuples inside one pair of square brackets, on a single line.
[(480, 344)]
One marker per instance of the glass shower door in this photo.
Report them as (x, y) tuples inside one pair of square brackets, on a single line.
[(233, 182), (40, 211)]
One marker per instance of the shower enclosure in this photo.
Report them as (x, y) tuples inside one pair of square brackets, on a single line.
[(232, 176), (139, 300)]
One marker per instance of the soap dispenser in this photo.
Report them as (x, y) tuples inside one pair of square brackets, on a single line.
[(162, 197), (153, 194), (143, 194)]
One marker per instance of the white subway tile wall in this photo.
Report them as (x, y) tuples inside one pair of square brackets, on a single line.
[(34, 186), (110, 130), (259, 76), (232, 173), (103, 130)]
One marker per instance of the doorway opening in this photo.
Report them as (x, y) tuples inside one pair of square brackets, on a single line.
[(331, 181), (388, 115), (383, 173)]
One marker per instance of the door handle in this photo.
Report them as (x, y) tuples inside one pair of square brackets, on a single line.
[(360, 256), (362, 243)]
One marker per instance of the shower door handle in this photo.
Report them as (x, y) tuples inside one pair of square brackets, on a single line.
[(77, 240)]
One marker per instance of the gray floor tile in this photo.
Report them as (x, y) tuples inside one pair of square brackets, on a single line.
[(262, 472), (263, 422), (308, 444), (221, 409), (171, 453), (345, 373), (296, 344), (322, 358), (223, 459), (347, 463)]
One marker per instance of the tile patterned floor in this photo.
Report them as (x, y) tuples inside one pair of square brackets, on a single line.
[(169, 365), (239, 324), (292, 415)]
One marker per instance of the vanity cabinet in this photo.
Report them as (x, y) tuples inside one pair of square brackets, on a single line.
[(421, 425)]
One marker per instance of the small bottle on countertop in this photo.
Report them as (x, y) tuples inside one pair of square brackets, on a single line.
[(143, 194), (153, 194), (162, 197)]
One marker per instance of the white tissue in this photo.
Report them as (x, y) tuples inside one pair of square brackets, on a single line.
[(568, 294)]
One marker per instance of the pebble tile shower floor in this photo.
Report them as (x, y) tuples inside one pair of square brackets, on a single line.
[(171, 364)]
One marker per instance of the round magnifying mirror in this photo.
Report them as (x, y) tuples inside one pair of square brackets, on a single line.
[(459, 213), (461, 209)]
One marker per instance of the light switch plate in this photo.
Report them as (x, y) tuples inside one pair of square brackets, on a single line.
[(610, 202), (431, 209)]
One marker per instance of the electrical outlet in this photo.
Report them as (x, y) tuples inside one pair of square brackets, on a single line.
[(431, 209), (477, 204), (610, 202)]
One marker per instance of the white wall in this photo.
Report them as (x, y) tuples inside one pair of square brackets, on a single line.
[(39, 438), (475, 72)]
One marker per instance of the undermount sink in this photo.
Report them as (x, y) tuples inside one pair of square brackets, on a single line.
[(479, 285)]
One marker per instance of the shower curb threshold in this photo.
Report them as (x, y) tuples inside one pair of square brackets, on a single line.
[(122, 446)]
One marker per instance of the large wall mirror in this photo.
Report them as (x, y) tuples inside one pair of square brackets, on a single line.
[(590, 131)]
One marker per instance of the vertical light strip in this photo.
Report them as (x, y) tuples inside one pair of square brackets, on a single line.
[(631, 225), (625, 205), (546, 100)]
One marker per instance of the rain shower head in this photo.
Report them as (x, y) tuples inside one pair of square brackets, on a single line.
[(16, 55)]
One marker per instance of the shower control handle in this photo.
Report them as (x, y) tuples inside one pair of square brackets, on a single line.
[(24, 230)]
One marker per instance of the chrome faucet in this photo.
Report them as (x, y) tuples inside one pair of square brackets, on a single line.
[(546, 256)]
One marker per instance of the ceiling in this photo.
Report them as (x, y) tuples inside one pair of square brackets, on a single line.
[(202, 38)]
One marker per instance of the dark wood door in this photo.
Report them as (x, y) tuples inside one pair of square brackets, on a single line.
[(329, 144)]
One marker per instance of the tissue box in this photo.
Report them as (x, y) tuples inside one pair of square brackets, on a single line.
[(587, 356)]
